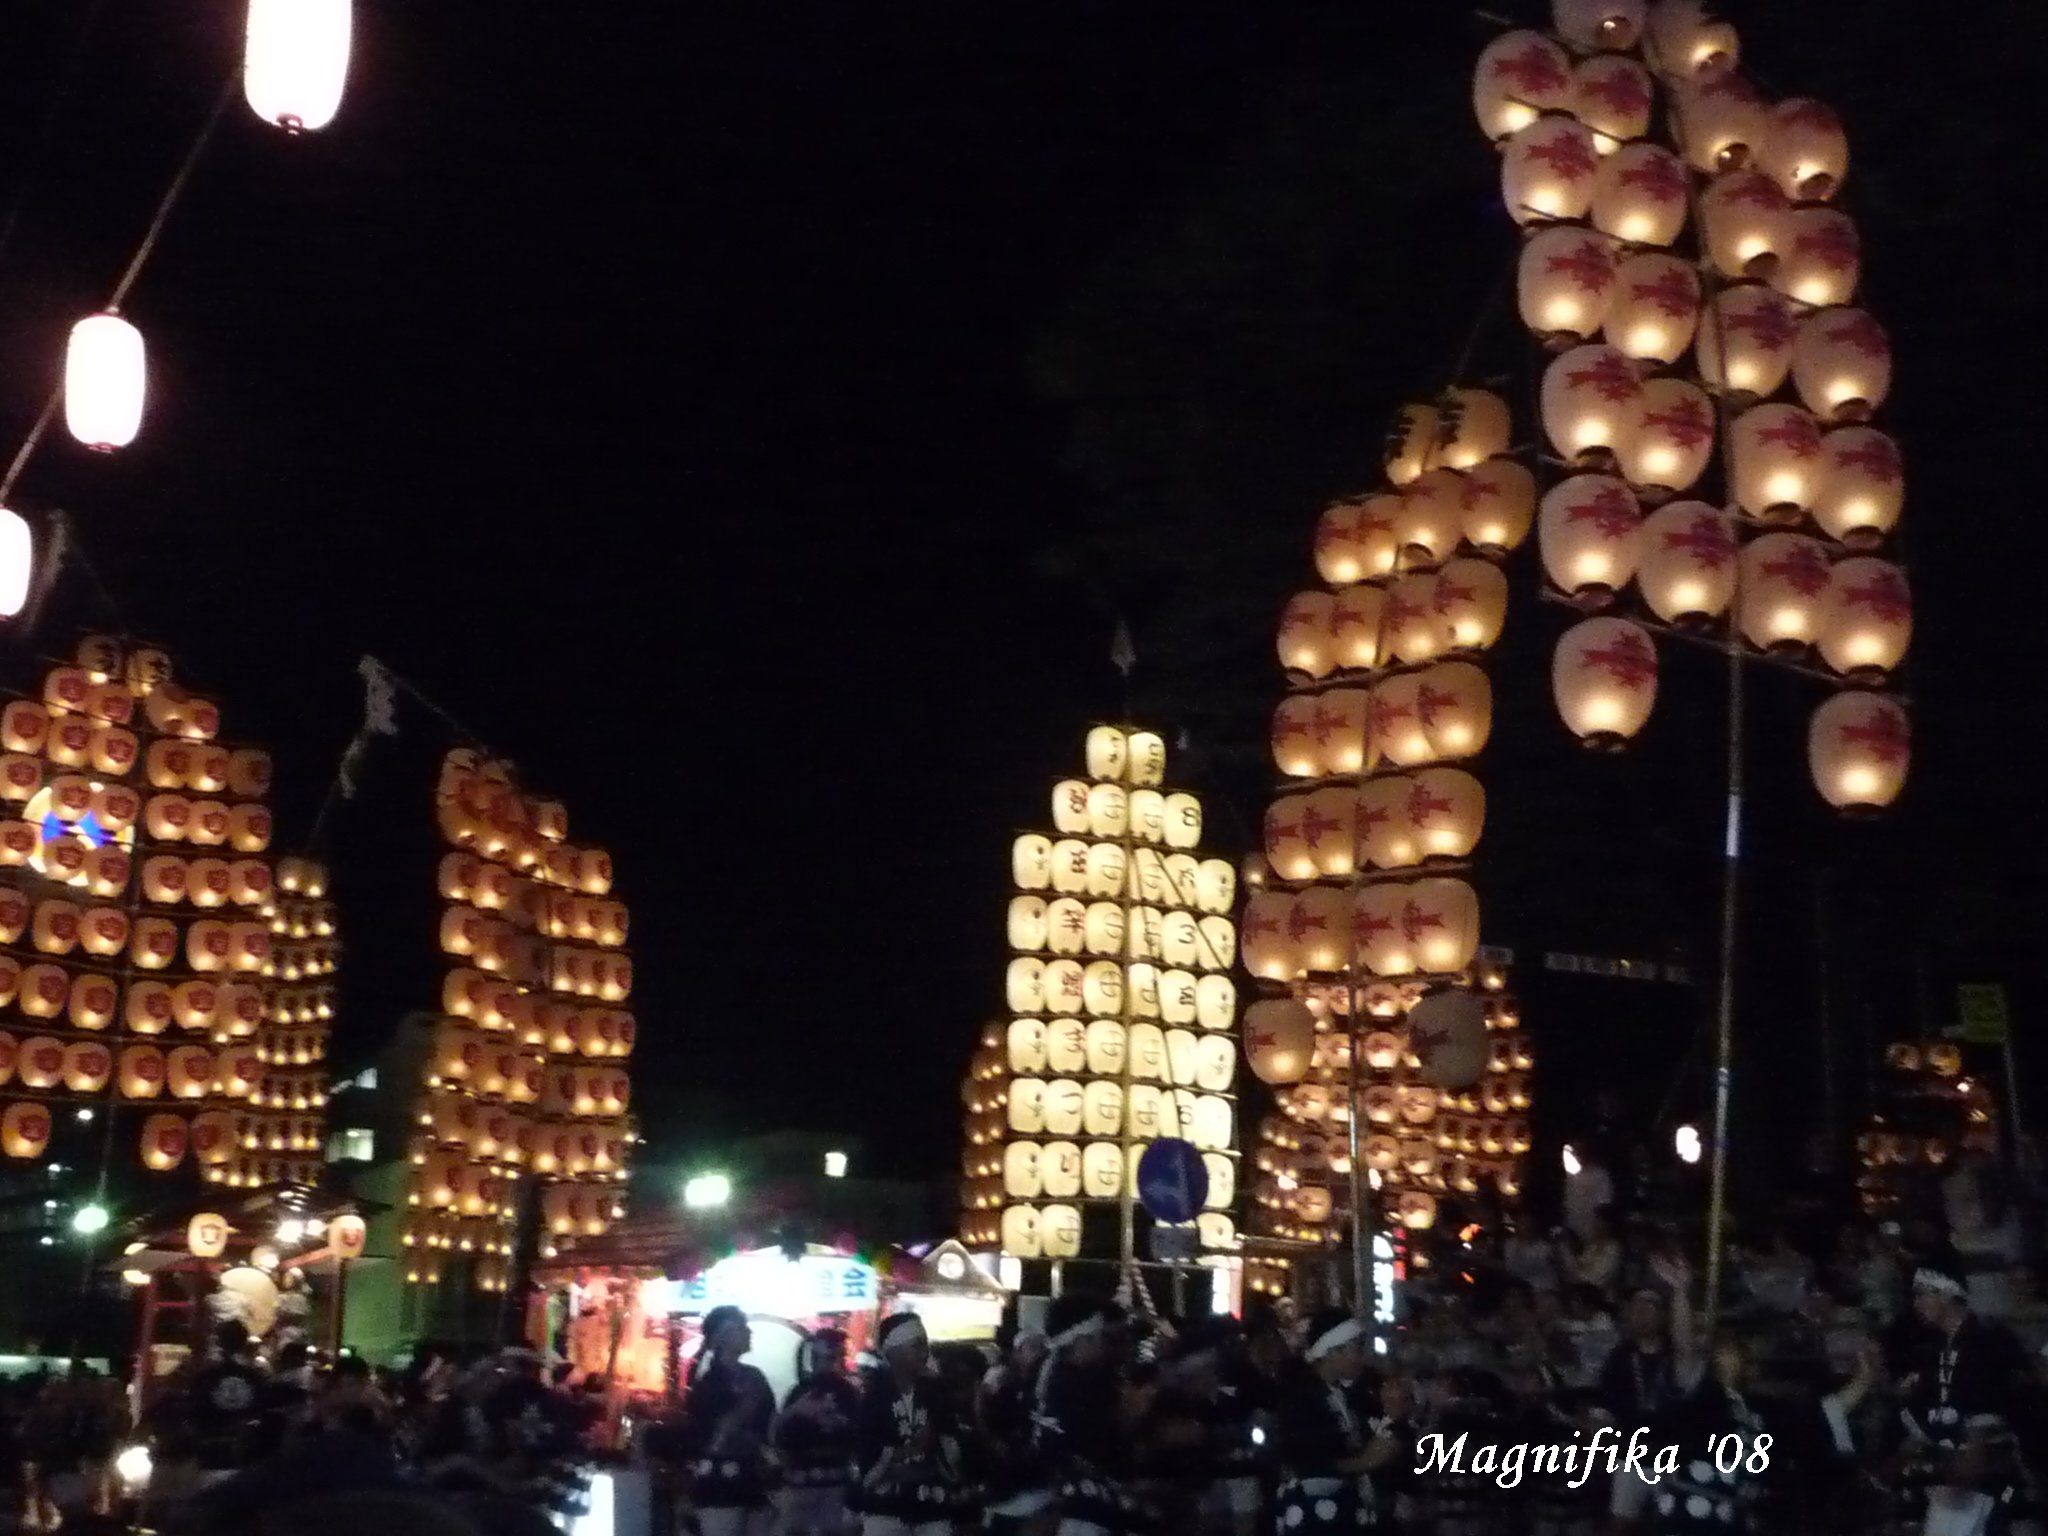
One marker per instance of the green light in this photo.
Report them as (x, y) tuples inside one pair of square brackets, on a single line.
[(88, 1219)]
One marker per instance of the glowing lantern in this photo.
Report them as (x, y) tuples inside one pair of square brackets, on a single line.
[(1499, 505), (1604, 677), (1783, 580), (1454, 708), (41, 1062), (1475, 427), (1743, 223), (1356, 616), (1587, 530), (1316, 929), (1862, 486), (1031, 862), (43, 992), (1684, 41), (167, 817), (93, 1003), (154, 944), (1686, 561), (1752, 327), (56, 927), (88, 1066), (113, 749), (1412, 442), (1820, 258), (1672, 439), (1599, 24), (209, 945), (25, 1131), (147, 1009), (1397, 733), (107, 869), (1305, 636), (17, 561), (1443, 811), (1028, 923), (1520, 76), (1183, 821), (1842, 365), (1426, 526), (193, 1003), (1468, 604), (1547, 171), (1720, 120), (1589, 399), (1859, 747), (1805, 149), (1640, 195), (1565, 283), (1866, 619), (1373, 545), (1409, 618), (1386, 836), (295, 61), (1656, 307), (1612, 96), (1268, 952), (1148, 758), (142, 1071), (1287, 849), (1108, 811), (1778, 461), (23, 726), (1279, 1040), (20, 776), (105, 378), (1337, 731), (1338, 560)]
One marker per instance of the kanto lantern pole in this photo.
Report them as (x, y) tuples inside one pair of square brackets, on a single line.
[(1724, 1031)]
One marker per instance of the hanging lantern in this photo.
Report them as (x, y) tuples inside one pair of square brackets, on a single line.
[(147, 1009), (1520, 76), (1686, 562), (1469, 603), (1753, 326), (1316, 929), (1820, 257), (1612, 96), (1436, 929), (25, 1131), (1395, 726), (1499, 505), (1476, 427), (1604, 678), (164, 1139), (1842, 365), (1589, 398), (1671, 440), (93, 1002), (1329, 834), (43, 991), (41, 1063), (1443, 813), (1453, 704), (1685, 42), (1641, 195), (1426, 525), (1655, 309), (1862, 487), (1304, 642), (142, 1071), (1720, 120), (1287, 851), (1586, 531), (17, 562), (1866, 619), (1548, 170), (1356, 617), (1411, 443), (1778, 462), (105, 379), (1337, 731), (1744, 221), (1783, 578), (295, 61), (1409, 620), (1805, 149), (1565, 283), (1859, 747), (1599, 24)]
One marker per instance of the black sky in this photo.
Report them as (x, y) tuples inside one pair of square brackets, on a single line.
[(680, 397)]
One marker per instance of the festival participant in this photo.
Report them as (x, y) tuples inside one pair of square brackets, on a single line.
[(1081, 1431), (814, 1438), (906, 1444), (1231, 1399), (1020, 1495), (1326, 1451), (1638, 1382), (1964, 1379), (725, 1429)]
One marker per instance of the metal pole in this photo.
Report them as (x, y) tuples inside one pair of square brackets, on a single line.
[(1724, 1044), (1830, 1108)]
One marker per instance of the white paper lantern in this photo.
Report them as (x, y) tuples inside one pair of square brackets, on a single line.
[(1783, 579), (1021, 1177), (1820, 257), (1686, 561), (295, 62), (1671, 440), (1412, 443), (1031, 862), (1590, 24), (1027, 925), (1641, 195), (1520, 76), (1866, 618), (1586, 530), (1805, 149), (1216, 1001), (1408, 619), (1469, 604), (1107, 753), (1859, 748), (17, 561), (1862, 486), (1499, 506), (1612, 96), (1547, 171), (1020, 1232), (1753, 327), (1304, 641), (1684, 41), (1102, 1170), (1444, 812), (1355, 622), (105, 379), (1565, 282), (1744, 221), (1778, 461), (1720, 120), (1027, 1045), (1604, 678), (1477, 426), (1059, 1170), (1655, 309), (1316, 928), (1842, 365), (1589, 399)]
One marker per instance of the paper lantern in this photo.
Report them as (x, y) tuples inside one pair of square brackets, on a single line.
[(1317, 930), (1428, 516), (167, 817), (1020, 1238), (1453, 703), (1778, 461), (1820, 258), (105, 378), (1599, 24), (25, 1131), (1024, 985), (55, 930), (1589, 400), (295, 61), (93, 1003), (1842, 365), (1027, 927), (1520, 76), (154, 943), (24, 725), (1861, 486), (113, 749), (1337, 731), (1278, 1041), (141, 1072), (1780, 589), (1411, 444), (1336, 552), (1474, 426), (1183, 821), (1216, 1001), (43, 991), (1408, 620), (206, 882), (1751, 326), (1107, 752), (1641, 195), (1386, 838), (1719, 120), (1355, 621), (1468, 605), (1287, 849), (1859, 747), (238, 1010), (1305, 637), (1375, 929), (1031, 862), (1328, 836), (1804, 149), (1671, 440), (1612, 96), (1499, 505), (20, 776), (164, 1140), (1686, 562), (1565, 283), (1102, 1109), (88, 1066), (1655, 309), (147, 1010), (1744, 221), (1547, 171), (106, 870), (1682, 39), (209, 945), (39, 1063), (1866, 618), (1443, 812), (1070, 807), (193, 1003), (248, 882), (1604, 678), (1587, 531), (17, 562)]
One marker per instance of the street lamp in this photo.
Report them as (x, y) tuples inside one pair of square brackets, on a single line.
[(89, 1220), (835, 1165), (1687, 1144), (707, 1192)]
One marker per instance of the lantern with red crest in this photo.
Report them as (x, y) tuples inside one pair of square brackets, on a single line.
[(1641, 195), (1745, 342), (164, 1141), (1778, 462), (1671, 440), (1499, 505), (1548, 171), (1842, 365), (1820, 257), (1686, 562), (1565, 283), (1519, 77), (1655, 310), (1604, 678), (1589, 399), (1861, 486), (1866, 619), (1611, 95), (1744, 220), (1468, 604), (1859, 747), (1720, 120), (1305, 637), (1804, 149), (1781, 588), (1586, 530)]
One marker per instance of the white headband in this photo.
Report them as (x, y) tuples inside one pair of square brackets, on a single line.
[(1941, 1285), (1087, 1328), (1346, 1332), (904, 1334)]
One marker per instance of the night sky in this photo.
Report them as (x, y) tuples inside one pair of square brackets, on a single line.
[(752, 419)]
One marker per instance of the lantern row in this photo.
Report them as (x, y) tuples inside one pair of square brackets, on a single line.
[(1602, 206)]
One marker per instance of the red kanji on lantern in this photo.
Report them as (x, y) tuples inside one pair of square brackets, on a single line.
[(1609, 375), (1628, 659), (1883, 731), (1612, 511), (1567, 154), (1707, 538)]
